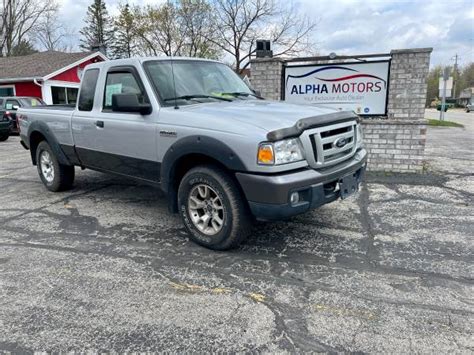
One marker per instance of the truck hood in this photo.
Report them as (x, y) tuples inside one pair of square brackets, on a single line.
[(266, 115)]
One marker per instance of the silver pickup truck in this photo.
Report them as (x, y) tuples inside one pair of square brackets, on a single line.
[(222, 155)]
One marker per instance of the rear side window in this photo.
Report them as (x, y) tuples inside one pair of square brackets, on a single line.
[(89, 83)]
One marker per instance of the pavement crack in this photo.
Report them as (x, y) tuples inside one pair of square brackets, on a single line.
[(64, 199), (371, 253)]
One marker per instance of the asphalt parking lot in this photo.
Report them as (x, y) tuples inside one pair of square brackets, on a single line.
[(106, 267)]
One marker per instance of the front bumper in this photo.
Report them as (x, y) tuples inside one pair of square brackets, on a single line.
[(269, 195)]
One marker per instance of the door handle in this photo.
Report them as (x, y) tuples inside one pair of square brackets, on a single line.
[(99, 124)]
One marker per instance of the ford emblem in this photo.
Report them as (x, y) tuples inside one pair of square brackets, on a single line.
[(340, 142)]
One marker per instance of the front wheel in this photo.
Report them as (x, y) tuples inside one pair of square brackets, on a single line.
[(213, 209), (3, 137), (55, 176)]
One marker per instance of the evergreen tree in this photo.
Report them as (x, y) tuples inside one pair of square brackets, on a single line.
[(99, 27), (124, 44), (23, 48)]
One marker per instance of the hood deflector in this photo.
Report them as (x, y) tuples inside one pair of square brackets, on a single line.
[(311, 122)]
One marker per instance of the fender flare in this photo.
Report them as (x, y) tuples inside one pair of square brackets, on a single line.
[(42, 128), (197, 144)]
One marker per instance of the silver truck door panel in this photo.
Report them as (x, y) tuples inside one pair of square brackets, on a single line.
[(125, 145), (119, 142)]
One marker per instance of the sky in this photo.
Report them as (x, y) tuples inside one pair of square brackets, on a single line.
[(359, 27)]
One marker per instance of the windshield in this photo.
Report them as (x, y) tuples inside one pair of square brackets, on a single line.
[(31, 102), (196, 81)]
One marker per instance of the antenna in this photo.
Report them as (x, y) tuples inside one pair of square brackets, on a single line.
[(176, 107)]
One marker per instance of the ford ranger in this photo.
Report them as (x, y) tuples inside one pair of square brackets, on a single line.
[(222, 155)]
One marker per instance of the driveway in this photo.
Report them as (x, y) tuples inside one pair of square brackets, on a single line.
[(449, 149), (106, 267)]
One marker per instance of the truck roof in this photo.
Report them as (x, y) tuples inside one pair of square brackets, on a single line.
[(141, 60)]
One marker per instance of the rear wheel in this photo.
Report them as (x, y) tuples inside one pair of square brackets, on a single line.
[(213, 209), (55, 176), (3, 137)]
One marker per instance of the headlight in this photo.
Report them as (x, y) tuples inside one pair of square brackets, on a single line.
[(281, 152), (360, 136)]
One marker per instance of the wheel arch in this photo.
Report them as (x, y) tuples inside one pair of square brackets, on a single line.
[(190, 152), (38, 132)]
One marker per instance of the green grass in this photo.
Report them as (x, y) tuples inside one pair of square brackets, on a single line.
[(438, 123)]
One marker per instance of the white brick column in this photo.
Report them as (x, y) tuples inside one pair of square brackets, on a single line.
[(266, 76), (396, 143), (407, 83)]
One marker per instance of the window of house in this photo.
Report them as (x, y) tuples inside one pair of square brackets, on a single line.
[(7, 91), (64, 96)]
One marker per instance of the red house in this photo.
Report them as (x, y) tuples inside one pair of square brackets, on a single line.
[(52, 76)]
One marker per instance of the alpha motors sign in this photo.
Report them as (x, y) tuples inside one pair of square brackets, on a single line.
[(358, 87)]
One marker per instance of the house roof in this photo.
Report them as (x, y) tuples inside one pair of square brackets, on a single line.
[(39, 65)]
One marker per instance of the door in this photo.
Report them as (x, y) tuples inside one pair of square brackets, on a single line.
[(11, 106), (119, 142)]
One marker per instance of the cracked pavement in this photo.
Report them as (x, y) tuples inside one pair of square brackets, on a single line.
[(106, 267)]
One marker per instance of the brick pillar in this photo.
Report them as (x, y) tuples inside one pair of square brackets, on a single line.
[(397, 143), (407, 91), (265, 76)]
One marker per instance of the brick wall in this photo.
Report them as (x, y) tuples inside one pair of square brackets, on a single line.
[(395, 142), (266, 77), (407, 83), (395, 145)]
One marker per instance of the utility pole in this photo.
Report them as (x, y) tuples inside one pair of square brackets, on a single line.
[(455, 71), (443, 99)]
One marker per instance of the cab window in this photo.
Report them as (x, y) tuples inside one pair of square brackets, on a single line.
[(10, 104), (89, 83), (121, 83)]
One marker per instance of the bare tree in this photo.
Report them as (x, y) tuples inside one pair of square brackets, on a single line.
[(51, 34), (19, 18), (179, 27), (198, 25), (161, 29), (240, 23)]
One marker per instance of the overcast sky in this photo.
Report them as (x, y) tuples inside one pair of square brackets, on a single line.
[(368, 26)]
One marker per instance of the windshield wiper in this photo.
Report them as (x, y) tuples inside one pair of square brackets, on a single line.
[(239, 93), (190, 97)]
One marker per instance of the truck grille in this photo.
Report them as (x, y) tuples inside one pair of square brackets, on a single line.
[(330, 144)]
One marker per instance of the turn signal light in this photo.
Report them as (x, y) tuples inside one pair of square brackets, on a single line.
[(265, 154)]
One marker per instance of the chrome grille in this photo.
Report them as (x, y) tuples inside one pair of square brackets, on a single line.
[(323, 142)]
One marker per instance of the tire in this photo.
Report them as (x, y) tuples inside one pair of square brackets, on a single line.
[(55, 176), (230, 223), (3, 137)]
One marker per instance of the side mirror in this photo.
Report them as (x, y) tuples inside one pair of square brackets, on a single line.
[(129, 103), (15, 107)]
